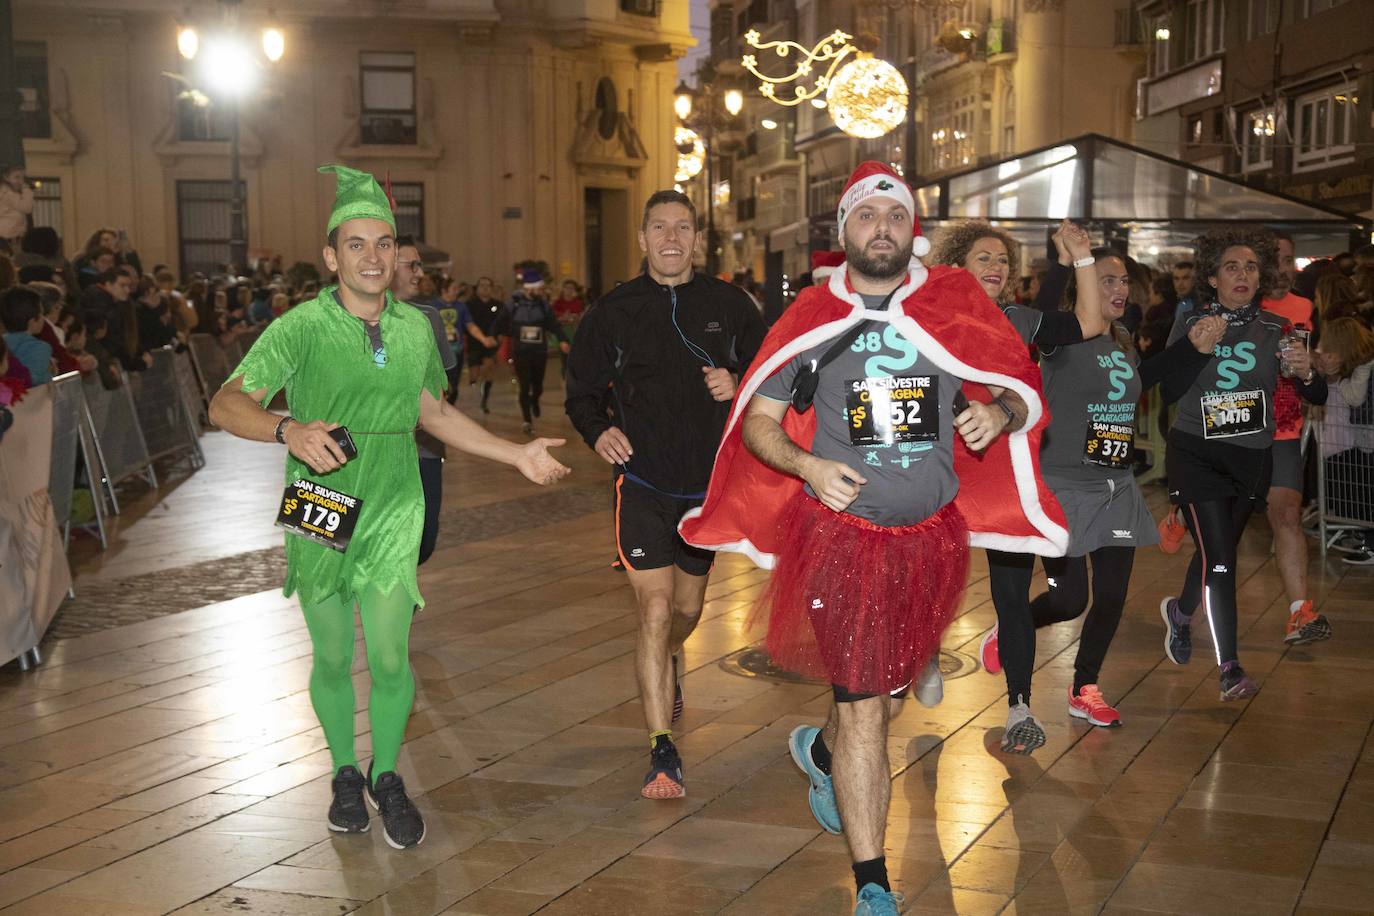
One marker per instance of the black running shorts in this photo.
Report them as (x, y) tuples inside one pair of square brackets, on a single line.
[(1287, 461), (1200, 471), (478, 354), (646, 530)]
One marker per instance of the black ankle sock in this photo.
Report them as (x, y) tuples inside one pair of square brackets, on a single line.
[(820, 754), (874, 871)]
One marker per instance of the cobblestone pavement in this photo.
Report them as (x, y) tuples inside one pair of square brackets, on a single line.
[(100, 605)]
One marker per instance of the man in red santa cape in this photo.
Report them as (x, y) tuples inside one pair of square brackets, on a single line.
[(865, 506)]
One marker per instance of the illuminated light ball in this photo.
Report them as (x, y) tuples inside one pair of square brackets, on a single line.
[(867, 98), (691, 153)]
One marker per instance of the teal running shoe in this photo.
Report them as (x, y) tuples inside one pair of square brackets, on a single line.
[(822, 793)]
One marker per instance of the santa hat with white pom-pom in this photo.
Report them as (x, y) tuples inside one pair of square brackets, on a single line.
[(873, 179)]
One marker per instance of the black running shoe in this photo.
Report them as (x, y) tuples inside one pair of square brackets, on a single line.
[(347, 813), (402, 824), (665, 779)]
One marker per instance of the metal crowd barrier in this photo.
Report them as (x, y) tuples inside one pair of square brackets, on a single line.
[(197, 400), (1149, 435), (168, 426), (1345, 474), (72, 436), (119, 439)]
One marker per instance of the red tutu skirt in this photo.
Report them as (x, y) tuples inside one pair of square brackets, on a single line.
[(858, 604)]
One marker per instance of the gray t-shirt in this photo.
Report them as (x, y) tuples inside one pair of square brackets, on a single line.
[(428, 446), (886, 411), (1092, 389), (1025, 319), (1234, 393)]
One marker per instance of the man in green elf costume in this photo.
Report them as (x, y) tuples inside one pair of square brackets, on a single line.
[(354, 357)]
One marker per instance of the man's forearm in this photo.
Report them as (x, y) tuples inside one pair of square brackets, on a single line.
[(453, 427), (238, 414), (1018, 407), (765, 437)]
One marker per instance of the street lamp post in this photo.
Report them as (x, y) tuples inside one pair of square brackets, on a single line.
[(228, 68), (705, 109)]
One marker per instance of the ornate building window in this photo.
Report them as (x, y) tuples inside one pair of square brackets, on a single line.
[(388, 98)]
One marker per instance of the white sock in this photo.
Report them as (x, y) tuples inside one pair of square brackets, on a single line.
[(1294, 605)]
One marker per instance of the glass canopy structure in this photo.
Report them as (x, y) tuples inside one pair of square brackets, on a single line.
[(1155, 205)]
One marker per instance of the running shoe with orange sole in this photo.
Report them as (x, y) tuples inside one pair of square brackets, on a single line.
[(1306, 626), (1172, 531), (665, 778)]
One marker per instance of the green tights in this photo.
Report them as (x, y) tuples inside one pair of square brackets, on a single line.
[(386, 632)]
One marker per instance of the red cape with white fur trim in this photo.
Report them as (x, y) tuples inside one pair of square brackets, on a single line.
[(949, 318)]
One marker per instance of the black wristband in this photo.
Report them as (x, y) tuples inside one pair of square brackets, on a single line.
[(279, 435), (1006, 409)]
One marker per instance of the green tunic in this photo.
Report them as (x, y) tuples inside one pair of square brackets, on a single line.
[(320, 353)]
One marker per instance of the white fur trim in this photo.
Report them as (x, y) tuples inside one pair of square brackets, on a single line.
[(920, 246), (865, 188), (759, 558)]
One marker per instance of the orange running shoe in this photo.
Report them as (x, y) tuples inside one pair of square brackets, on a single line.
[(665, 779), (1172, 531), (1305, 626)]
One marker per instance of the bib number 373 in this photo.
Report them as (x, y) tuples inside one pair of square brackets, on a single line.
[(318, 513), (1109, 445), (888, 410)]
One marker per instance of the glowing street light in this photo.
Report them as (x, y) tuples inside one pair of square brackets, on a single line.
[(273, 43), (228, 65), (734, 101), (227, 69), (682, 101), (188, 42)]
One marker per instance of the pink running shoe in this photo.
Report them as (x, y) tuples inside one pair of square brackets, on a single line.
[(987, 652), (1090, 705)]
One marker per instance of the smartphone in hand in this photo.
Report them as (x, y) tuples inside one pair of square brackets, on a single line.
[(345, 440)]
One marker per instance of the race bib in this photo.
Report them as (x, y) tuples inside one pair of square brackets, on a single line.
[(1235, 413), (314, 511), (530, 333), (889, 410), (1109, 445)]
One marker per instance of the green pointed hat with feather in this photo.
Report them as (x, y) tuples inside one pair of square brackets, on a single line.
[(357, 196)]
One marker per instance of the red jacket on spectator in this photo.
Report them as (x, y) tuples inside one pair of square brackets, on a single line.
[(65, 361)]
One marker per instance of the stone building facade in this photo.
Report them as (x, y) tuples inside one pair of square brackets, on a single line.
[(511, 129)]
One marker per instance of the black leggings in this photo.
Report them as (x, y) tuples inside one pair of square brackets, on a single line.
[(529, 371), (1009, 575), (1068, 597), (1216, 527), (432, 482)]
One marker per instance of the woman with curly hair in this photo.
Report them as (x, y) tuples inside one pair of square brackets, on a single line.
[(1218, 453), (991, 256)]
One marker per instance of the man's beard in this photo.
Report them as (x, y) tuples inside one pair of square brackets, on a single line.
[(877, 266)]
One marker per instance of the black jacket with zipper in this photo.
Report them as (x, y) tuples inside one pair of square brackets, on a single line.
[(647, 344)]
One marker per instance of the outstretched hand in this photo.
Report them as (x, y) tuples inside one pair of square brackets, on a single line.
[(538, 465)]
